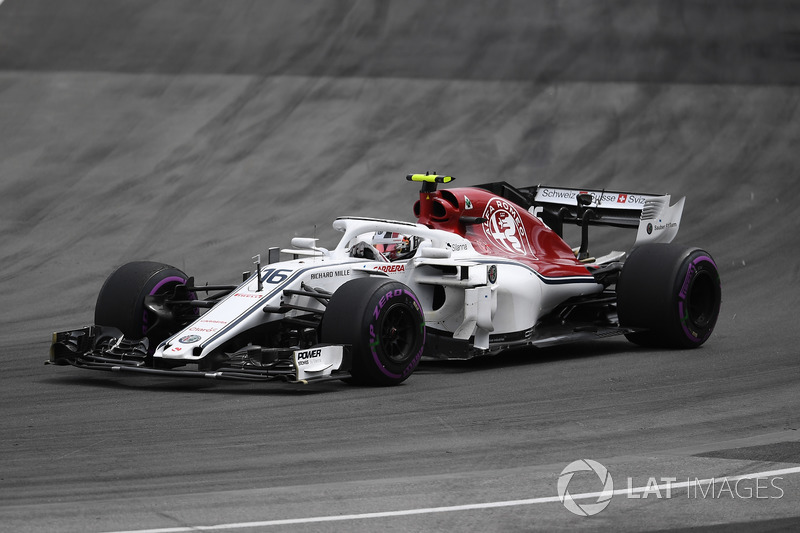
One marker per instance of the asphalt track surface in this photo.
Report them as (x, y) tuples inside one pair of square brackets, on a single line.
[(199, 133)]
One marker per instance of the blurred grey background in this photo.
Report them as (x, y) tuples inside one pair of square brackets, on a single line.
[(200, 132)]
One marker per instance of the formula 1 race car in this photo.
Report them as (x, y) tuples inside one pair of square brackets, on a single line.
[(482, 270)]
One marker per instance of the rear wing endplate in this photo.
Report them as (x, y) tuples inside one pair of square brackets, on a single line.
[(653, 216)]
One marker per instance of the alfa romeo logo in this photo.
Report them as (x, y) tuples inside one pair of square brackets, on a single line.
[(603, 499), (504, 227), (491, 273)]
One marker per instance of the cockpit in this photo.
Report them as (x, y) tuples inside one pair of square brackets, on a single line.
[(384, 246)]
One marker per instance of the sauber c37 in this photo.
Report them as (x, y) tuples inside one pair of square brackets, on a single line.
[(483, 269)]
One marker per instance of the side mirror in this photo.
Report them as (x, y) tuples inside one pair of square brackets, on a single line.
[(429, 252)]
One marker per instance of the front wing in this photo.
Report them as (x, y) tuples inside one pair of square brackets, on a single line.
[(105, 348)]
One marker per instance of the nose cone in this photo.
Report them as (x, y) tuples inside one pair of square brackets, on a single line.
[(181, 348)]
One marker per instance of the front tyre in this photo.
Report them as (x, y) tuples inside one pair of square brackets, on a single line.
[(121, 302), (673, 292), (383, 322)]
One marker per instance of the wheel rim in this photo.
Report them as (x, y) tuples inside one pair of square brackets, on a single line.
[(397, 333), (701, 301)]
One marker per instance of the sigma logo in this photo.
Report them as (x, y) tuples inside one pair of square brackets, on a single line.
[(390, 268), (309, 354), (504, 226)]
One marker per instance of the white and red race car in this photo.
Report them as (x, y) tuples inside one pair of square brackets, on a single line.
[(483, 269)]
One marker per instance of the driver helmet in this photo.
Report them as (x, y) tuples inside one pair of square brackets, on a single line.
[(393, 245)]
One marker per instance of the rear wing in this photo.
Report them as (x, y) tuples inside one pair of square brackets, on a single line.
[(651, 214)]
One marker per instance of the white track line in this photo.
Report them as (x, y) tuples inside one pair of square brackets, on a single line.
[(466, 507)]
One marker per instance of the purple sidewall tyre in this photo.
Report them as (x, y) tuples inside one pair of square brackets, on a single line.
[(383, 321), (121, 301), (672, 292)]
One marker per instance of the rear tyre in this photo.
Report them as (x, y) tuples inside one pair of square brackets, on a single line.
[(383, 321), (121, 302), (673, 292)]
